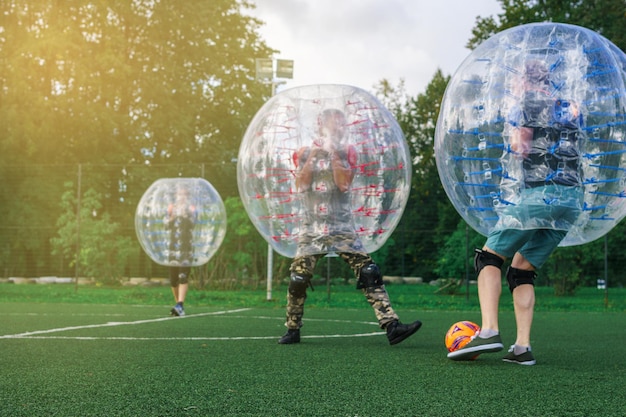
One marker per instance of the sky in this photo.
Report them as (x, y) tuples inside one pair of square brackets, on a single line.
[(360, 42)]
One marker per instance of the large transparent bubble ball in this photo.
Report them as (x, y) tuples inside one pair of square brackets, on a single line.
[(180, 221), (477, 163), (323, 222)]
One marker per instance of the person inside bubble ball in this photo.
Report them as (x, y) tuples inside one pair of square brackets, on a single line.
[(544, 136), (324, 174), (180, 221)]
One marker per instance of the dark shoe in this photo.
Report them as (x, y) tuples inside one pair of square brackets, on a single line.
[(397, 332), (477, 346), (292, 336), (525, 358), (177, 310)]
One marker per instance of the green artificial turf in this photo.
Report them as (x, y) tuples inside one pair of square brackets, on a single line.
[(114, 352)]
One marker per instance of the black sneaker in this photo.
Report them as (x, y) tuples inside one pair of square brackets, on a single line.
[(292, 336), (525, 358), (476, 347), (397, 332), (177, 310)]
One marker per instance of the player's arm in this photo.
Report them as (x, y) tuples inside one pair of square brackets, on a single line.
[(521, 136), (168, 214), (193, 213), (521, 140), (343, 165), (303, 159)]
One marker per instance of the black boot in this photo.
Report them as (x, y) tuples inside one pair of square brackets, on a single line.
[(292, 336), (397, 332)]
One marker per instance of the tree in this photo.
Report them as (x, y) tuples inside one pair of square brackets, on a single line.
[(120, 83), (127, 81), (607, 17), (456, 255), (429, 217), (94, 241), (242, 257)]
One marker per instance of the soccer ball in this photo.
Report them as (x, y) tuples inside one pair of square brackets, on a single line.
[(460, 334)]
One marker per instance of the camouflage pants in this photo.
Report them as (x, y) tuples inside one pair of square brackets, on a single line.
[(376, 296)]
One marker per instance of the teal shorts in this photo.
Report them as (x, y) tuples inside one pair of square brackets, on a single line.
[(535, 245), (537, 224)]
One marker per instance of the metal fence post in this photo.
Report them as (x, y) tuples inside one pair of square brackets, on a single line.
[(78, 192)]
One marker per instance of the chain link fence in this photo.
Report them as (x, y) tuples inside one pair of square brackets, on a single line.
[(54, 215)]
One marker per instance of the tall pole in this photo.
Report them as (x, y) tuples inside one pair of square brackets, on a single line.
[(328, 278), (77, 265), (467, 258), (270, 264), (267, 74), (606, 272), (270, 251)]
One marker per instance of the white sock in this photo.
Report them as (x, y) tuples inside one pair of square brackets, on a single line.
[(518, 350), (487, 333)]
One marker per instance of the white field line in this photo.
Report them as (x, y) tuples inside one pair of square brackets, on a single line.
[(116, 323), (326, 336), (372, 323), (67, 314), (38, 334)]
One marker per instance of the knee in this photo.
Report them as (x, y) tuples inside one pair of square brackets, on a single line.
[(520, 262), (179, 275), (298, 284), (484, 258), (183, 277), (369, 276), (516, 277)]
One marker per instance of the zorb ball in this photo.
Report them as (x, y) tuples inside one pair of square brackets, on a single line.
[(322, 169), (568, 84), (460, 334), (180, 221)]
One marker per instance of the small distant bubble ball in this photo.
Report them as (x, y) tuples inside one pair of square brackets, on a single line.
[(582, 77), (318, 126), (180, 221)]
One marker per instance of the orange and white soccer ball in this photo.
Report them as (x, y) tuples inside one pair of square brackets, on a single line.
[(460, 334)]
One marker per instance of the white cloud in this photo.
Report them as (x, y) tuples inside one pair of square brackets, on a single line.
[(360, 42)]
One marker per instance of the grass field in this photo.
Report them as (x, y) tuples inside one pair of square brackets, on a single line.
[(115, 352)]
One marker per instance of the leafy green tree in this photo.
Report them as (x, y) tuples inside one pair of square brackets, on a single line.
[(127, 81), (607, 17), (29, 209), (141, 83), (94, 241), (242, 257), (429, 217), (600, 259), (456, 255)]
